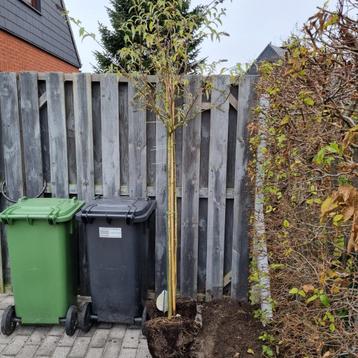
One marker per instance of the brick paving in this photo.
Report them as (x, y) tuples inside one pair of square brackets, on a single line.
[(103, 340)]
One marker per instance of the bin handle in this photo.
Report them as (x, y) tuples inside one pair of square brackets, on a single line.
[(130, 213), (3, 191)]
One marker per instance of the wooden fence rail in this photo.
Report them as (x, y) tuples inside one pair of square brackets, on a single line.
[(86, 135)]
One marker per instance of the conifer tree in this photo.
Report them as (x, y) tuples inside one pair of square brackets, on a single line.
[(113, 39)]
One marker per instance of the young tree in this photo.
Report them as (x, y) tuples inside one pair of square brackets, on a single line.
[(113, 40), (159, 38)]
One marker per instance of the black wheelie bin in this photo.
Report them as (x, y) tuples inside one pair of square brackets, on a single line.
[(116, 233)]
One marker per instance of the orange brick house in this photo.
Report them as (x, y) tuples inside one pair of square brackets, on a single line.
[(35, 35)]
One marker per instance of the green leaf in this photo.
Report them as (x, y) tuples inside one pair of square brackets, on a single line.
[(332, 327), (308, 101), (293, 291), (267, 351), (312, 298), (286, 224), (324, 300), (337, 219)]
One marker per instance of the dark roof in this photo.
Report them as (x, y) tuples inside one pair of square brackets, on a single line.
[(47, 29), (270, 53)]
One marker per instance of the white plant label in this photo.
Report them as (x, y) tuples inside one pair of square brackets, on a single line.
[(110, 232)]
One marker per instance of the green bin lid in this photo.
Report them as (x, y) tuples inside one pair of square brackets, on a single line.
[(54, 210)]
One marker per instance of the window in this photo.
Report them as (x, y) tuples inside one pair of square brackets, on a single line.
[(35, 4)]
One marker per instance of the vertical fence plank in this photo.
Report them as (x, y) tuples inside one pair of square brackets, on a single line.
[(137, 145), (11, 135), (217, 186), (31, 134), (45, 144), (161, 211), (70, 132), (110, 135), (190, 192), (11, 149), (203, 204), (84, 135), (57, 134), (240, 246), (82, 103)]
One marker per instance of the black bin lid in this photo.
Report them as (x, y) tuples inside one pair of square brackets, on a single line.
[(132, 210)]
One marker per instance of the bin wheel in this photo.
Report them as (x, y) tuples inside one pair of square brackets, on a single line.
[(8, 323), (71, 321), (84, 317)]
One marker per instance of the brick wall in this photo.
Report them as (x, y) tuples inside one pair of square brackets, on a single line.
[(17, 55)]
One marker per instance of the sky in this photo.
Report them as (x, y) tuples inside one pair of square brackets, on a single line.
[(252, 24)]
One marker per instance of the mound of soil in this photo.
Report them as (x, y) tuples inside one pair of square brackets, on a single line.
[(170, 338), (229, 331)]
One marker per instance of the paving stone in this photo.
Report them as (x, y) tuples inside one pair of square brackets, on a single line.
[(103, 340), (48, 346), (27, 351), (99, 338), (61, 352), (24, 330), (143, 351), (38, 335), (94, 353), (15, 345), (6, 339), (56, 331), (112, 348), (131, 338), (90, 333), (117, 331), (80, 346), (128, 353), (67, 341)]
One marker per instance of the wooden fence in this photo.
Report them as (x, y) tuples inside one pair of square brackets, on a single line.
[(86, 135)]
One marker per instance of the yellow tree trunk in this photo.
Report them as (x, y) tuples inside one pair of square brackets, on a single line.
[(172, 225)]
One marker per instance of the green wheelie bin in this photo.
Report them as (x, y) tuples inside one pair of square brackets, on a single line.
[(42, 260)]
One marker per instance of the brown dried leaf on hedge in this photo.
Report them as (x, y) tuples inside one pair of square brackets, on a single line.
[(345, 199)]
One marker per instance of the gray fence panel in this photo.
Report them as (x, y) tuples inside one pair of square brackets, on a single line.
[(88, 135)]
